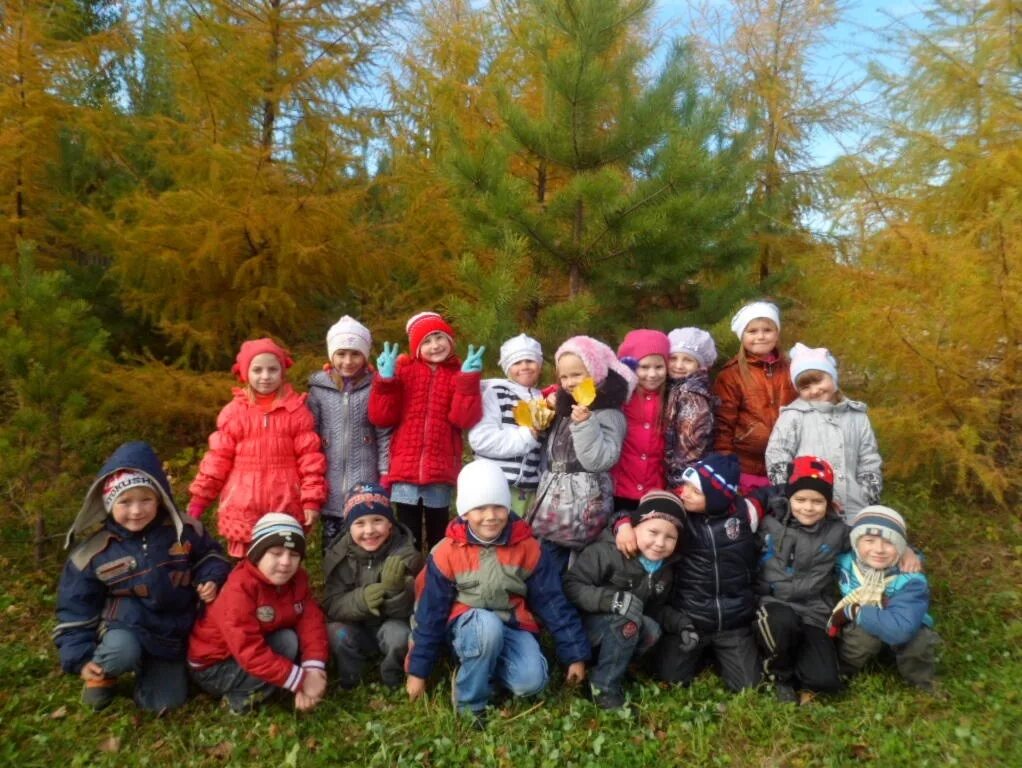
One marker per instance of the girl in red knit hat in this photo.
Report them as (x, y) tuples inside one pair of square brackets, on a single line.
[(428, 396), (265, 454)]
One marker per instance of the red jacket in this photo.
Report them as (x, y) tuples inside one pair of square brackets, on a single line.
[(428, 408), (260, 462), (641, 466), (247, 610), (750, 406)]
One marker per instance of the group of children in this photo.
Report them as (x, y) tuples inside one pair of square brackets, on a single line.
[(641, 516)]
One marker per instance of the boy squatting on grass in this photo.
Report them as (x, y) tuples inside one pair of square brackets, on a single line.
[(479, 591), (265, 631), (129, 592)]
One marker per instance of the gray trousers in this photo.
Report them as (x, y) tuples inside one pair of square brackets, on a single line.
[(242, 690), (159, 683), (352, 645), (916, 660)]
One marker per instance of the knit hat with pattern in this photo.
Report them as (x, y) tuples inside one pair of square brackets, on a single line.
[(422, 325), (275, 529), (717, 476)]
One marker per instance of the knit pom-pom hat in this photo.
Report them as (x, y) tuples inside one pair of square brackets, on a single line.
[(254, 347), (422, 325), (598, 359), (641, 343)]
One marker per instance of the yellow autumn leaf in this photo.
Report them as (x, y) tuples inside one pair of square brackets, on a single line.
[(523, 414), (542, 414), (585, 392)]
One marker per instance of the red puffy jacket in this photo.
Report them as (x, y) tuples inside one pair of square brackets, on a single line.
[(428, 407), (260, 462), (641, 466)]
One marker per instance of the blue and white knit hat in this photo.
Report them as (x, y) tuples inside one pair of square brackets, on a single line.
[(717, 476), (878, 520)]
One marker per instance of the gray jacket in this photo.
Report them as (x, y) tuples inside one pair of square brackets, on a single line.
[(356, 451), (838, 432)]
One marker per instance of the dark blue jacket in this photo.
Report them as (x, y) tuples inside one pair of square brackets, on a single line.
[(140, 581)]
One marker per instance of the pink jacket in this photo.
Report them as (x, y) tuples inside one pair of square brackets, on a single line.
[(260, 462), (641, 466)]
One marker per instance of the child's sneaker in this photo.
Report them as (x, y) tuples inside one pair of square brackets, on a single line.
[(785, 693), (607, 699), (97, 694)]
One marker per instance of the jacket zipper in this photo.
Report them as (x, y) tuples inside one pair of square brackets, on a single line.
[(425, 428), (716, 576), (346, 405)]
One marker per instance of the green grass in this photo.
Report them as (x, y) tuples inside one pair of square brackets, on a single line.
[(974, 560)]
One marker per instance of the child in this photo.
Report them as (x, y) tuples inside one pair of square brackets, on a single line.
[(622, 599), (479, 590), (249, 643), (713, 585), (497, 436), (640, 467), (690, 401), (428, 397), (129, 592), (752, 387), (823, 422), (356, 451), (575, 497), (264, 455), (882, 607), (801, 536), (370, 589)]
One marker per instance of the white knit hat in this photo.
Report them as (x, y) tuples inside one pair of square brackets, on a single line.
[(694, 342), (481, 483), (348, 333), (754, 311), (518, 348)]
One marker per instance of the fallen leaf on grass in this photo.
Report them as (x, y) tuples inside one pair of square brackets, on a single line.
[(274, 730), (110, 744), (221, 751), (58, 713), (860, 752)]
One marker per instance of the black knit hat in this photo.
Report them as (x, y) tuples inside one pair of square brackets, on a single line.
[(659, 505), (275, 529)]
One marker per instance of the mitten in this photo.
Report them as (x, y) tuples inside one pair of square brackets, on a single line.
[(373, 594), (689, 640), (473, 360), (628, 605), (840, 617), (386, 362), (392, 574)]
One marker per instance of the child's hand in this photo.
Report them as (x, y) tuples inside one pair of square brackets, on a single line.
[(473, 360), (386, 363), (576, 673), (625, 541), (392, 574), (304, 702), (551, 399), (92, 672), (311, 516), (910, 562), (373, 594), (415, 686), (580, 413), (207, 591), (314, 683)]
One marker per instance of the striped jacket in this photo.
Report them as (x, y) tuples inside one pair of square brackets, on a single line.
[(498, 437)]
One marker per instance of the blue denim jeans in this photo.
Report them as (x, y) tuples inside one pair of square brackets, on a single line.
[(159, 683), (489, 651), (615, 642)]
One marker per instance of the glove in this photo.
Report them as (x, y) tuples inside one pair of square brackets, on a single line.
[(628, 605), (392, 574), (689, 640), (373, 594), (386, 363), (473, 360), (840, 617)]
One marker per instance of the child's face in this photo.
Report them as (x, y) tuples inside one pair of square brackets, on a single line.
[(808, 506), (487, 521), (656, 539), (371, 532), (570, 371), (682, 365), (818, 388), (435, 348), (525, 372), (135, 508), (265, 373), (760, 337), (651, 372), (279, 565), (876, 552), (693, 498), (348, 362)]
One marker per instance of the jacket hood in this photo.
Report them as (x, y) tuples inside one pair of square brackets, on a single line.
[(612, 393), (805, 406), (325, 380), (140, 457), (698, 382)]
